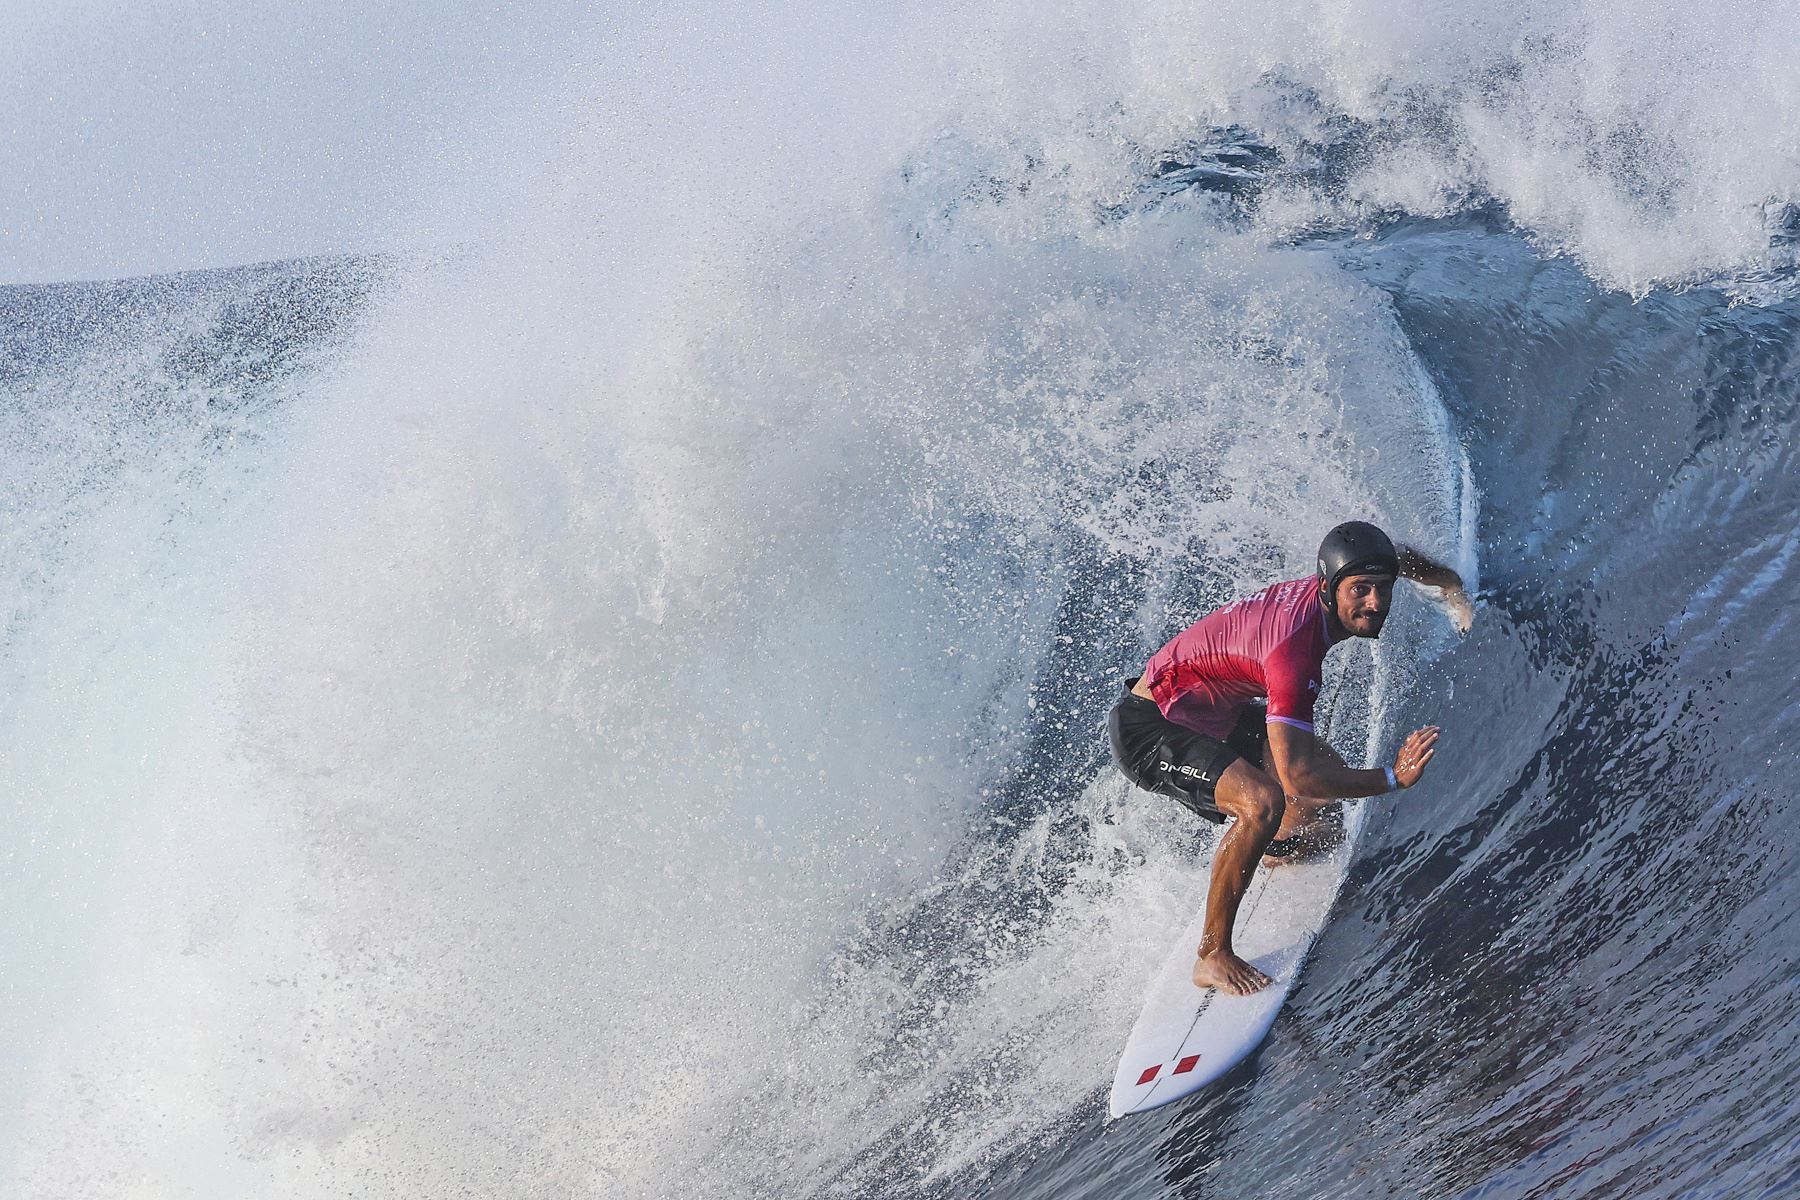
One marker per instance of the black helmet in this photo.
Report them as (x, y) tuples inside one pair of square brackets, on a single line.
[(1354, 548)]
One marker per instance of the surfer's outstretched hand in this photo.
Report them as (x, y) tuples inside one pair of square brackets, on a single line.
[(1415, 752), (1461, 609)]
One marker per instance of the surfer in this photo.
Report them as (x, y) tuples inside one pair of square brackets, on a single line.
[(1236, 689)]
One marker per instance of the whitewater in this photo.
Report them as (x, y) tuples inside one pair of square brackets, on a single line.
[(602, 694)]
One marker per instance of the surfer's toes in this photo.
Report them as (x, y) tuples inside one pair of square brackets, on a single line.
[(1255, 981)]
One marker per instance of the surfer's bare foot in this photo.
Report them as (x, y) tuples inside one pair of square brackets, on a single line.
[(1226, 971)]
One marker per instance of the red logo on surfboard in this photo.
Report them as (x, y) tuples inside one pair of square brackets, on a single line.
[(1181, 1068)]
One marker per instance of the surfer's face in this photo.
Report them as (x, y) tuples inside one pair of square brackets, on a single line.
[(1362, 603)]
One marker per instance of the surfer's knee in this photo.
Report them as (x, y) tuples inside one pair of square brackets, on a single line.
[(1251, 796), (1268, 806)]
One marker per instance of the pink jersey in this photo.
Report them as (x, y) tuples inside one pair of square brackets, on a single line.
[(1271, 644)]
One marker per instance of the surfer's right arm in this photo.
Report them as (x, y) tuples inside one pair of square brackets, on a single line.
[(1308, 767), (1428, 572)]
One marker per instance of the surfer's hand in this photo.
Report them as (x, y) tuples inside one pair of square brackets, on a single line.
[(1415, 752), (1462, 609)]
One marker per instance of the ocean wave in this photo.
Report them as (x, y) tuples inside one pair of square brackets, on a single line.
[(615, 709)]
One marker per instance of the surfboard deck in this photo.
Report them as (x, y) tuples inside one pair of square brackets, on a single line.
[(1186, 1037)]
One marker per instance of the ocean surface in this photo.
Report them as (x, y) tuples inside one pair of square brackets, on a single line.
[(614, 707)]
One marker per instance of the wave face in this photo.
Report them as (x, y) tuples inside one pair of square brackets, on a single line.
[(617, 711)]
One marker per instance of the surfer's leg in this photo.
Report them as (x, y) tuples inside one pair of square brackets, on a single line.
[(1248, 794), (1306, 825), (1309, 828)]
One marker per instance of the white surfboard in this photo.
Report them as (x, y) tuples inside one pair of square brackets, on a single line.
[(1186, 1037)]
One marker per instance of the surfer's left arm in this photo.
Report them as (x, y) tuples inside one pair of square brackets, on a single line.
[(1306, 765), (1430, 573)]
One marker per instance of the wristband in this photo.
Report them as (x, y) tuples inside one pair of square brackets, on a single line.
[(1393, 780)]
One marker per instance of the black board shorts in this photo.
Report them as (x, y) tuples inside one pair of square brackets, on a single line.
[(1172, 760)]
